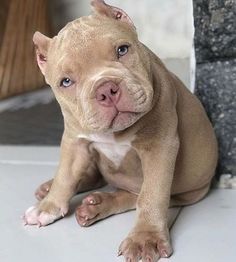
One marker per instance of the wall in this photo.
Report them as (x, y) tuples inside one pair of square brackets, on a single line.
[(215, 42), (166, 27)]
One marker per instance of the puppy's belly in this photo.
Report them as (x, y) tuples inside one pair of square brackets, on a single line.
[(127, 175)]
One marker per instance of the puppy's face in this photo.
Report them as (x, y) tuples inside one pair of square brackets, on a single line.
[(99, 71)]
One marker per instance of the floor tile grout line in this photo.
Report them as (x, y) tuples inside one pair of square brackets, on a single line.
[(28, 162)]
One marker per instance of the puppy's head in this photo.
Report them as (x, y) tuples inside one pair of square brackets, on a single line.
[(98, 70)]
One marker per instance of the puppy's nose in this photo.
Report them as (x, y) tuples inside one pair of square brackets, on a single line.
[(108, 94)]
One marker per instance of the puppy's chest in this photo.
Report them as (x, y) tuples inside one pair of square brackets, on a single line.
[(108, 146)]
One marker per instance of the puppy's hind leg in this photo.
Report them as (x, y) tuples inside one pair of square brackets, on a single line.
[(99, 205), (90, 181), (191, 197)]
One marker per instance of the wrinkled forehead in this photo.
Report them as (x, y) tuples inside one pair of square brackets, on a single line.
[(90, 32)]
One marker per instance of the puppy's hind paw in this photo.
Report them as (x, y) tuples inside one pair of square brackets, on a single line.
[(43, 190)]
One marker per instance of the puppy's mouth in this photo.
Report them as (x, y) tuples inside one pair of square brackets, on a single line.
[(123, 119)]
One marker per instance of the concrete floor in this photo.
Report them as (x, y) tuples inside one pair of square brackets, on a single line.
[(203, 232)]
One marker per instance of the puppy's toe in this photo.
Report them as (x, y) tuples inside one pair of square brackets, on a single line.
[(164, 248), (130, 250), (31, 216), (40, 195), (149, 252), (93, 199), (43, 190), (46, 218), (85, 214)]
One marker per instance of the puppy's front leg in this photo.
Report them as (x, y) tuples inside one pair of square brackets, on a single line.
[(76, 161), (149, 240)]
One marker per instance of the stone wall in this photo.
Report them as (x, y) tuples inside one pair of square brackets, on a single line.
[(215, 45)]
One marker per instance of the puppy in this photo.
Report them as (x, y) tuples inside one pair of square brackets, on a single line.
[(128, 121)]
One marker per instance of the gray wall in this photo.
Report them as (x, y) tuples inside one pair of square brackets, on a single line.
[(215, 42)]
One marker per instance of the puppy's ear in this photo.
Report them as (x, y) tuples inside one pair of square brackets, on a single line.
[(111, 11), (41, 43)]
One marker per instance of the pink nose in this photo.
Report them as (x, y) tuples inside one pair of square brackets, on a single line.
[(108, 94)]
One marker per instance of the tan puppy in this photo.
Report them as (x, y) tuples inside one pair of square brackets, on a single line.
[(128, 121)]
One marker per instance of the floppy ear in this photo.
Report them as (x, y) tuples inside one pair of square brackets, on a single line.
[(41, 43), (111, 11)]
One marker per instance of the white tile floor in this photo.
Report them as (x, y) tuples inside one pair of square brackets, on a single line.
[(203, 232)]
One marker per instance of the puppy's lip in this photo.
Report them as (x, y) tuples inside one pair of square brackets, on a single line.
[(127, 112), (119, 113)]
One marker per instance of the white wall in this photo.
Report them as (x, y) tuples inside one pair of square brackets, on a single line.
[(165, 26)]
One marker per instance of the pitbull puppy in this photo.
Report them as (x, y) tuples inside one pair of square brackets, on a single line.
[(129, 122)]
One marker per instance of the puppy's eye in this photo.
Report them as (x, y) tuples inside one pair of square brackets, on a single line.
[(122, 50), (66, 82)]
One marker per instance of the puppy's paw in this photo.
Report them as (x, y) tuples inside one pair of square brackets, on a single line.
[(43, 214), (94, 207), (42, 191), (146, 246)]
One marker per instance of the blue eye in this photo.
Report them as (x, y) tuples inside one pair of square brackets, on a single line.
[(66, 82), (122, 50)]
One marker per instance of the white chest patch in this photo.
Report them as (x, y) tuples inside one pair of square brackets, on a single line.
[(106, 144)]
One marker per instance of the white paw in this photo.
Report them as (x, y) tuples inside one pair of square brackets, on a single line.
[(33, 216)]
